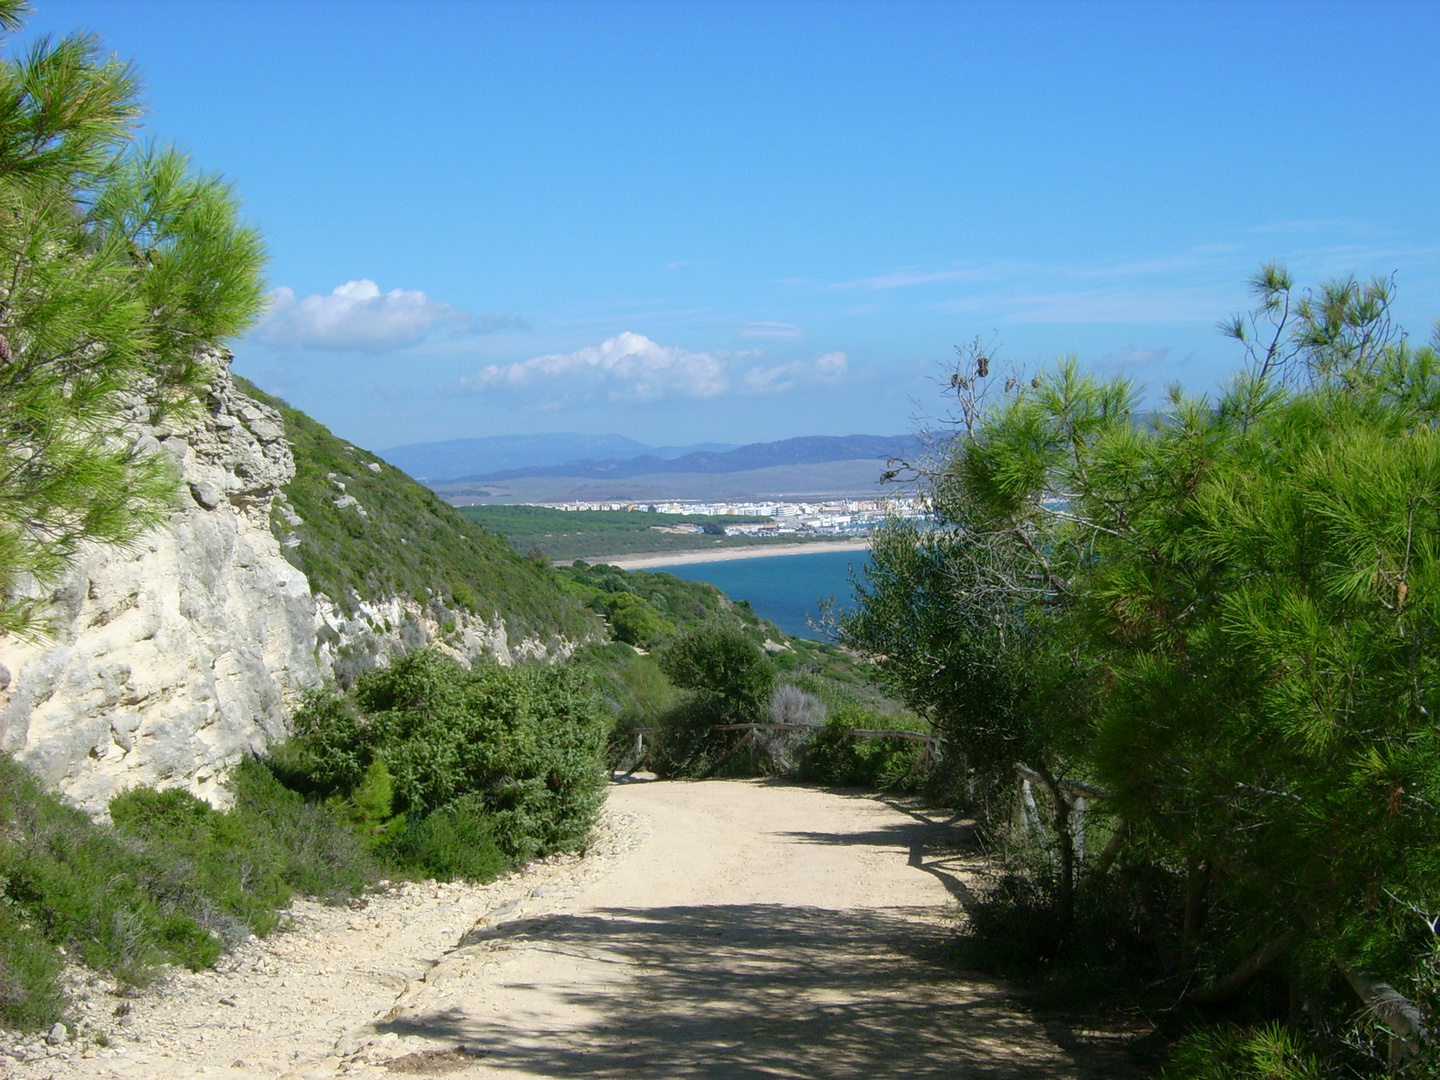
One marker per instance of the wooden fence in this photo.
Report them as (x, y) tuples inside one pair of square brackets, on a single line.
[(927, 756)]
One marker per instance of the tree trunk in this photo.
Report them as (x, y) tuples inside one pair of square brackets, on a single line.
[(1064, 849), (1248, 968), (1197, 886), (1110, 853)]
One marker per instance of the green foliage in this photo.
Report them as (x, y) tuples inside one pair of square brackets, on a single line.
[(408, 542), (1225, 614), (1230, 1053), (525, 745), (31, 995), (587, 534), (456, 841), (370, 807), (120, 267), (729, 680), (835, 757), (634, 621), (724, 666), (172, 881)]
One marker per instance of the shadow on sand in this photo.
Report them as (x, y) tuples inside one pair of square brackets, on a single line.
[(756, 990)]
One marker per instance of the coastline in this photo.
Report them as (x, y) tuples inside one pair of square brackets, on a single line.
[(682, 558)]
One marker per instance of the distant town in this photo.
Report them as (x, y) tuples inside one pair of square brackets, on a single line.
[(838, 517)]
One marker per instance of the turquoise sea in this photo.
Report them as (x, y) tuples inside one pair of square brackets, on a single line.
[(786, 589)]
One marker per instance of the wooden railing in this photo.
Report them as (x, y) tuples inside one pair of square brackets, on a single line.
[(932, 742)]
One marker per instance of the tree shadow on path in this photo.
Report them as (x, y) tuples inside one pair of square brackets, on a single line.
[(750, 990)]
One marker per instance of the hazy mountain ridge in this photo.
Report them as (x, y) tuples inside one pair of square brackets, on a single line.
[(805, 450), (454, 459)]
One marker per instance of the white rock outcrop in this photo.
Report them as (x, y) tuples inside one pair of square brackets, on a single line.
[(177, 656), (174, 658), (373, 632)]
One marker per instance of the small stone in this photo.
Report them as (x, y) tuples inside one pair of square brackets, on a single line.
[(206, 494), (57, 1034), (127, 1021), (228, 1001), (237, 1064)]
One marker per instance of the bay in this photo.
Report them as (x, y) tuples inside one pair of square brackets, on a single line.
[(786, 589)]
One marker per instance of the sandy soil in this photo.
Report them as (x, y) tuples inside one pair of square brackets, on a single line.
[(714, 930), (759, 551)]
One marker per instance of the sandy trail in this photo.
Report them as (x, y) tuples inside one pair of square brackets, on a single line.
[(724, 929)]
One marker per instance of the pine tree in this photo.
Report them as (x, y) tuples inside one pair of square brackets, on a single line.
[(118, 267)]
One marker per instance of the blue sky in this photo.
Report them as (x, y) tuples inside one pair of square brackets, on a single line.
[(744, 221)]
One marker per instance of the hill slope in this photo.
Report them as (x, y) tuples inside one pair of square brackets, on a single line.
[(361, 530)]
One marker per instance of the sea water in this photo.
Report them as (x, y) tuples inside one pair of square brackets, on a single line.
[(786, 589)]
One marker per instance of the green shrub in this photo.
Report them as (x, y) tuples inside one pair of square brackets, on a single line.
[(170, 881), (1231, 1053), (31, 996), (317, 853), (729, 680), (834, 756), (457, 841), (370, 808), (83, 888), (723, 665), (633, 620), (528, 742)]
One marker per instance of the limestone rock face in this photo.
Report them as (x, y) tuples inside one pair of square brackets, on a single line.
[(350, 643), (175, 658)]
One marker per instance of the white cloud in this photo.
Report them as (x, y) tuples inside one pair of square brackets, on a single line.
[(630, 367), (901, 279), (1130, 356), (770, 331), (828, 367), (357, 317), (627, 367), (1159, 304)]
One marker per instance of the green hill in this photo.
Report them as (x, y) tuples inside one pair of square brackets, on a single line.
[(360, 529)]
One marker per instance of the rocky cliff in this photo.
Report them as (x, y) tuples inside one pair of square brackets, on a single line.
[(172, 659)]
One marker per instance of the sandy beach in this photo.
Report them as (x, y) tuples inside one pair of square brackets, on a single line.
[(681, 558)]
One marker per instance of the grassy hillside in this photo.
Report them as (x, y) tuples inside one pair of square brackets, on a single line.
[(360, 529)]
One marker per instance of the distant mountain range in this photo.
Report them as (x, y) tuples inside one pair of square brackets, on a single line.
[(438, 462), (806, 450)]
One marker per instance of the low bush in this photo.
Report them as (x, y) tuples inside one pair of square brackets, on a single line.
[(1232, 1053), (836, 757), (525, 746), (457, 841), (30, 992), (172, 880)]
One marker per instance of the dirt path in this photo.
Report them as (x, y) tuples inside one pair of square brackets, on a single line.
[(718, 930)]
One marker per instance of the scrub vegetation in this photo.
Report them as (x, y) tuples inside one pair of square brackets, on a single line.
[(562, 535), (1185, 666), (685, 659), (425, 769)]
